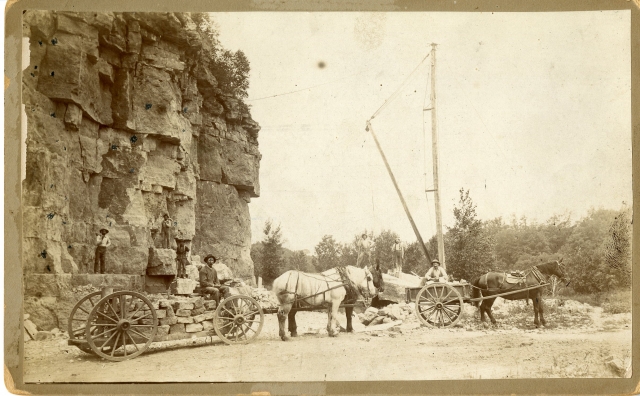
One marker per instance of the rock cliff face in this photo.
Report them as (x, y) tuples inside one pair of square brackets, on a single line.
[(126, 122)]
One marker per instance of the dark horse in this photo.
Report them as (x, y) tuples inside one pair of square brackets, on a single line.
[(375, 278), (493, 283)]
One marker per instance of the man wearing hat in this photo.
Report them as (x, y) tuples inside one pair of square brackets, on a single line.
[(364, 249), (436, 273), (398, 256), (181, 257), (166, 232), (102, 243), (209, 283)]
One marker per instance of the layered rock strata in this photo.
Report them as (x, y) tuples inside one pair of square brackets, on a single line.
[(126, 122)]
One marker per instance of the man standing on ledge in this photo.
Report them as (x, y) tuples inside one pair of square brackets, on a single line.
[(166, 232), (209, 283), (102, 243), (364, 249)]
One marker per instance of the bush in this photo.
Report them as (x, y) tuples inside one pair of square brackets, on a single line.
[(617, 302)]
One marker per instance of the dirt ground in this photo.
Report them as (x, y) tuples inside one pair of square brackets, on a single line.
[(578, 342)]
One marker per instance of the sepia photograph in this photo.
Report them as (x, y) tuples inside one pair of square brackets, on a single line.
[(228, 197)]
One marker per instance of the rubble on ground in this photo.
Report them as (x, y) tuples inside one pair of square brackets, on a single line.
[(394, 312)]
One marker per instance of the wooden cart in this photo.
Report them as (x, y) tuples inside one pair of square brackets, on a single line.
[(440, 304)]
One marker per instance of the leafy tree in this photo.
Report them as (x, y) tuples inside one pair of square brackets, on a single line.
[(327, 253), (584, 253), (231, 69), (348, 254), (617, 248), (298, 260), (468, 246), (415, 260), (271, 258), (383, 244)]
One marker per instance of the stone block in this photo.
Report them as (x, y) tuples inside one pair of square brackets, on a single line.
[(198, 302), (164, 303), (163, 330), (177, 328), (187, 319), (197, 311), (377, 320), (209, 315), (161, 262), (193, 327), (199, 318), (183, 312), (183, 286), (148, 321), (183, 305), (73, 116), (161, 313), (43, 335), (207, 325), (30, 329), (169, 320), (69, 76), (210, 305)]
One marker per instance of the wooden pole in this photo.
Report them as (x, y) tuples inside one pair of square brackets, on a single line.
[(434, 137), (395, 184)]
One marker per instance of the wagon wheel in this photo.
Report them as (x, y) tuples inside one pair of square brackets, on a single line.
[(119, 323), (238, 320), (438, 305), (78, 320)]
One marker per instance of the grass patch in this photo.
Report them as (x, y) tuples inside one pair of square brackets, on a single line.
[(617, 302)]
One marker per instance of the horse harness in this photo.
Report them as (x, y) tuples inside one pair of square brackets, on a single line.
[(351, 289), (521, 279)]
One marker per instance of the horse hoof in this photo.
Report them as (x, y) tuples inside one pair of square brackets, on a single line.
[(283, 338), (294, 334)]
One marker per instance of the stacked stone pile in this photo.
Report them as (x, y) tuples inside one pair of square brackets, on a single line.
[(373, 316), (31, 332), (181, 317), (265, 298)]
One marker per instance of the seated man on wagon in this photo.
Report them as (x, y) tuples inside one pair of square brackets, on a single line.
[(209, 283), (435, 273)]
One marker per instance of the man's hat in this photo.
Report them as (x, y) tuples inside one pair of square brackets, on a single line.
[(364, 235), (166, 215), (210, 256), (105, 230), (434, 261)]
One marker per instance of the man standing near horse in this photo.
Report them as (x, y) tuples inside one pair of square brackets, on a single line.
[(209, 282), (364, 250)]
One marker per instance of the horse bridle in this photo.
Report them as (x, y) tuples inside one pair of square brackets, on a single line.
[(369, 278)]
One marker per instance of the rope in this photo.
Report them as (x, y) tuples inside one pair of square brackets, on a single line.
[(395, 94), (304, 89)]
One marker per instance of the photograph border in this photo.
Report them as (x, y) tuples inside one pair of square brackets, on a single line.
[(13, 288)]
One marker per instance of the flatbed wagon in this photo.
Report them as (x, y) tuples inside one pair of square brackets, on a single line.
[(122, 325), (439, 304)]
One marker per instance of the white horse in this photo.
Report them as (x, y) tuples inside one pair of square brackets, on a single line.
[(320, 290)]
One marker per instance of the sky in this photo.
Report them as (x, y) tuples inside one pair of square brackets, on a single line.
[(533, 116)]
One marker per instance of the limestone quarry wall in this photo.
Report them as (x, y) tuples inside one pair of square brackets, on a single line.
[(126, 122)]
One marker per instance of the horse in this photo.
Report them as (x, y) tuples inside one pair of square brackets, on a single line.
[(324, 289), (493, 283)]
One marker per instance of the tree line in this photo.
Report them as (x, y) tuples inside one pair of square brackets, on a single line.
[(596, 249)]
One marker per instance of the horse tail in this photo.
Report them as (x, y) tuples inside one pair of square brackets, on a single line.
[(475, 291)]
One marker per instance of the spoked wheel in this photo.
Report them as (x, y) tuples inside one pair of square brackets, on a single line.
[(438, 305), (121, 326), (238, 320), (78, 320)]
